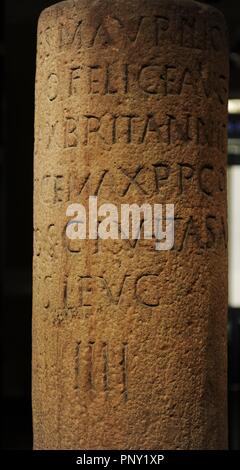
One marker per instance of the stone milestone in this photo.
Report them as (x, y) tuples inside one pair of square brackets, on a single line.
[(129, 343)]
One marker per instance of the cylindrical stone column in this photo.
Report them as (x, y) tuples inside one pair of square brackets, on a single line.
[(129, 343)]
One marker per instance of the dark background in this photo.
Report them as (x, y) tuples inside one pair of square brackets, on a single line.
[(18, 23)]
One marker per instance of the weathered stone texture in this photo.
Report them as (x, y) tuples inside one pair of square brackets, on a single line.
[(129, 344)]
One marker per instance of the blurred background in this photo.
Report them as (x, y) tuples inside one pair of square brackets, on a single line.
[(18, 23)]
